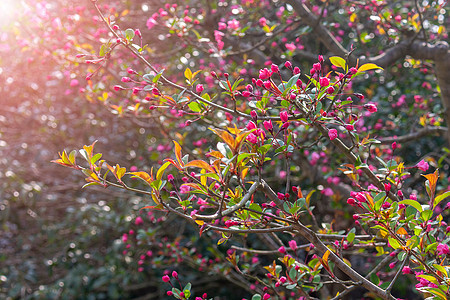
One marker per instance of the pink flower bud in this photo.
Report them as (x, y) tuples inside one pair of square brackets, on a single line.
[(349, 127), (138, 33), (250, 125), (166, 278), (317, 67), (293, 244), (274, 68), (288, 64), (268, 125), (330, 90), (332, 134), (351, 201), (175, 274), (284, 116), (370, 107), (324, 81), (282, 250), (118, 88), (296, 70), (254, 115)]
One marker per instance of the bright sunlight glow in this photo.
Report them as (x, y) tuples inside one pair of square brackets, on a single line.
[(8, 11)]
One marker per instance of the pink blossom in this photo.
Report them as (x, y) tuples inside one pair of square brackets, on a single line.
[(252, 138), (332, 134), (264, 74), (328, 192), (139, 221), (74, 82), (423, 165), (293, 244), (151, 22), (250, 125), (290, 46), (406, 270), (199, 88), (282, 250), (324, 81), (233, 24), (262, 22), (443, 249)]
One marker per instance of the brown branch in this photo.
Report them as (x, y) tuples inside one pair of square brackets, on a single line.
[(321, 247), (427, 131)]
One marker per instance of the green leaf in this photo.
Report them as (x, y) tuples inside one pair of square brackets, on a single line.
[(426, 214), (256, 297), (350, 237), (412, 203), (375, 279), (394, 243), (441, 197), (149, 78), (95, 158), (290, 83), (129, 34), (195, 107)]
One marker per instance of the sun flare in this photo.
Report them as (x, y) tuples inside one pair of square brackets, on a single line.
[(8, 11)]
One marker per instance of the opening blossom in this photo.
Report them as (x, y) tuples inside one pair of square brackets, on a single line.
[(423, 165), (443, 249)]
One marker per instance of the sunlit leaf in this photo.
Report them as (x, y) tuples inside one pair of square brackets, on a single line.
[(369, 66)]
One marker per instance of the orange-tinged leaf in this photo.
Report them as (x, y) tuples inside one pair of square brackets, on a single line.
[(325, 257), (234, 130), (192, 185), (402, 231), (157, 207), (228, 139), (174, 163), (370, 200), (216, 154), (142, 175), (199, 222), (244, 173), (432, 179), (125, 12), (178, 152), (369, 66), (200, 164)]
